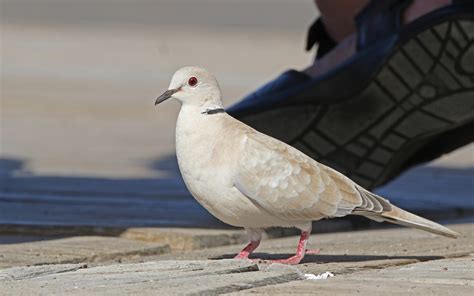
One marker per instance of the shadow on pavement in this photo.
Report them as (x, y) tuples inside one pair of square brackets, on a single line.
[(71, 205), (332, 258)]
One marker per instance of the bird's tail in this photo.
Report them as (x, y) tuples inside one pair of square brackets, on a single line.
[(402, 217)]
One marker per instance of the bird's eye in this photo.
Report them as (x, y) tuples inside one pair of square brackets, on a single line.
[(192, 81)]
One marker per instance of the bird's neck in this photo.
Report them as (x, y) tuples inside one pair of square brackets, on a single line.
[(197, 135), (197, 123)]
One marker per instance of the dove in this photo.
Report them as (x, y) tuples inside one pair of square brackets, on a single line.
[(251, 180)]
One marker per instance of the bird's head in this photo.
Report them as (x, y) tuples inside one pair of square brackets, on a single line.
[(193, 86)]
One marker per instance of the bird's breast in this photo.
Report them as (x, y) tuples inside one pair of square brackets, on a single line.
[(201, 162), (207, 155), (210, 181)]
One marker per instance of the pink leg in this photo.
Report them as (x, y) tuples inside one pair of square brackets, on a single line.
[(300, 251), (244, 254)]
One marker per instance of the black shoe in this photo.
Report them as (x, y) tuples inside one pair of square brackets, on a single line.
[(405, 97)]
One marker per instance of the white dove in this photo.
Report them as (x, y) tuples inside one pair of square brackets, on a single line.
[(251, 180)]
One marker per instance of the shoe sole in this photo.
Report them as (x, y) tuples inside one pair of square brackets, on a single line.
[(424, 89)]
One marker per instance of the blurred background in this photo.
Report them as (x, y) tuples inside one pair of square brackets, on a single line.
[(81, 142), (79, 78)]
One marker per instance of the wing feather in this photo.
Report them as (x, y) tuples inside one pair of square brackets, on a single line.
[(290, 184)]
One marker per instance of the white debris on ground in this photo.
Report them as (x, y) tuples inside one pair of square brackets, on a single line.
[(321, 276)]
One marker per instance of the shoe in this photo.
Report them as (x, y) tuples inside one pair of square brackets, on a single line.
[(405, 97)]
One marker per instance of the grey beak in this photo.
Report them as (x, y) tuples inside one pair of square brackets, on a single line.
[(166, 95)]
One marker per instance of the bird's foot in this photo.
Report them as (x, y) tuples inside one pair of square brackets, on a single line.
[(312, 252), (242, 255), (293, 260)]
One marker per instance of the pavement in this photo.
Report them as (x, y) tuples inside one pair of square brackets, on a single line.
[(392, 261), (91, 201)]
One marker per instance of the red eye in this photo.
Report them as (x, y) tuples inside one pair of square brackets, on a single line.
[(192, 81)]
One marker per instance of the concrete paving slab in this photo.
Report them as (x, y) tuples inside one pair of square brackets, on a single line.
[(75, 250), (347, 252), (438, 277), (393, 261), (186, 239), (178, 239), (151, 278), (27, 272)]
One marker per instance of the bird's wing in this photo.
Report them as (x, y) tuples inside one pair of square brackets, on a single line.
[(293, 186)]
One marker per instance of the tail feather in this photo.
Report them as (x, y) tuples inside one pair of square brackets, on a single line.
[(402, 217)]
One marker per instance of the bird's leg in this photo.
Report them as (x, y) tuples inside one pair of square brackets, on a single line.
[(255, 237), (300, 250), (244, 254)]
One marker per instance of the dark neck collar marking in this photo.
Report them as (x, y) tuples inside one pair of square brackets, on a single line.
[(213, 111)]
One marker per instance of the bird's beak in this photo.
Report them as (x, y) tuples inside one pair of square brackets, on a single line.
[(166, 95)]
